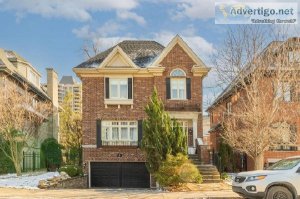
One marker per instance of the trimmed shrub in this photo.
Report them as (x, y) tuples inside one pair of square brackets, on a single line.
[(72, 170), (177, 170), (224, 176), (51, 153)]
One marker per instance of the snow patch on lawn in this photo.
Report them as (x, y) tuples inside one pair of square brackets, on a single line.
[(26, 181)]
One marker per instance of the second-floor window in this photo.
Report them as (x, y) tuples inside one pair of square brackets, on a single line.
[(118, 88), (284, 91), (178, 86), (228, 107)]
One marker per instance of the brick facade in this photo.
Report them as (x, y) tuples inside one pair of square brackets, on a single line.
[(93, 107), (218, 110)]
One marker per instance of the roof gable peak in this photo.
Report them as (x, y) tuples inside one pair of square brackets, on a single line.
[(178, 40), (117, 58)]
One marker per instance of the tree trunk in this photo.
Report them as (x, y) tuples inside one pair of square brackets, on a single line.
[(18, 168), (259, 162)]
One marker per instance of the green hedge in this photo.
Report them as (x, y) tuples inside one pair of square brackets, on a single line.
[(51, 154), (72, 170), (6, 165), (177, 170)]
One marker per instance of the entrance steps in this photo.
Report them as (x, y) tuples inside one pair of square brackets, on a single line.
[(210, 173)]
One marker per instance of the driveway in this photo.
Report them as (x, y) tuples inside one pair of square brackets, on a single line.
[(110, 194)]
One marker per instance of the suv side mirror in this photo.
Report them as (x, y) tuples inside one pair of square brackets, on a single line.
[(298, 170)]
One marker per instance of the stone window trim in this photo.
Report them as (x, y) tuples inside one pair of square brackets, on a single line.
[(128, 100), (178, 86)]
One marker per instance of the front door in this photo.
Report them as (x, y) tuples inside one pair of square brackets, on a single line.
[(187, 127)]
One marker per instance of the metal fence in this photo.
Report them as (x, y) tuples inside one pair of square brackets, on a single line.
[(31, 161)]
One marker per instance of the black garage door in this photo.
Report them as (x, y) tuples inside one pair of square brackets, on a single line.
[(125, 174)]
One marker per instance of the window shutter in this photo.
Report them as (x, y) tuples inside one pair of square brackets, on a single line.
[(188, 88), (98, 132), (168, 88), (140, 132), (129, 88), (107, 88)]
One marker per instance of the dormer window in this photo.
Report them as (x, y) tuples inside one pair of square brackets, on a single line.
[(179, 85)]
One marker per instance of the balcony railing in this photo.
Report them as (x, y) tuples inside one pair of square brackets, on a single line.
[(119, 143), (180, 106)]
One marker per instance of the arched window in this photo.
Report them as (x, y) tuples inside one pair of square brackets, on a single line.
[(178, 85), (177, 73)]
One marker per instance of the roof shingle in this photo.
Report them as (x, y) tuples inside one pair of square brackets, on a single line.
[(142, 53)]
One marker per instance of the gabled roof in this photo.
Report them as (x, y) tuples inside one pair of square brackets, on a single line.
[(142, 53), (7, 57), (67, 80), (178, 40), (125, 58)]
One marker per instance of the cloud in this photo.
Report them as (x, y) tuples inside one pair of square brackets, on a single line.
[(131, 15), (102, 36), (70, 9), (193, 9)]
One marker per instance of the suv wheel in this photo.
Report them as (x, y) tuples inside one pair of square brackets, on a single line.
[(278, 192)]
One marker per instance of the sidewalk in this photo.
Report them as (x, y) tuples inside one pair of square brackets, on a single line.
[(112, 194)]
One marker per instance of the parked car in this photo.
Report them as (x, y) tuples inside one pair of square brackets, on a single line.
[(280, 181)]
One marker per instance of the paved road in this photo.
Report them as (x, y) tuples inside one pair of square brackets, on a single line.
[(110, 194)]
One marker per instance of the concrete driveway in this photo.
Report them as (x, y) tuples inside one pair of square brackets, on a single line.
[(111, 194)]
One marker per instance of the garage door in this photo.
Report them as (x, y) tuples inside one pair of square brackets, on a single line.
[(125, 174)]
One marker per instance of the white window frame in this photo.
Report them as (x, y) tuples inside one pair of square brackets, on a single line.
[(229, 107), (175, 75), (107, 137), (177, 88), (118, 88), (176, 78), (284, 92), (294, 56)]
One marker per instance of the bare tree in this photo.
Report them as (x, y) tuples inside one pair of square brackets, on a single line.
[(91, 48), (262, 78), (20, 119)]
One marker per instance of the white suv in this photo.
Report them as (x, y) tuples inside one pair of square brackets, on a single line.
[(280, 181)]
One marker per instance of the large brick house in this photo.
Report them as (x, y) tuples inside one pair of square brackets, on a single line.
[(228, 100), (116, 86)]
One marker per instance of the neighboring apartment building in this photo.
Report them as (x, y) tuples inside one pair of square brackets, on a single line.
[(227, 102), (116, 86), (69, 84), (16, 70)]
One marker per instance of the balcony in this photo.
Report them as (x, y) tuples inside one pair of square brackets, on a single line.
[(181, 106), (119, 143)]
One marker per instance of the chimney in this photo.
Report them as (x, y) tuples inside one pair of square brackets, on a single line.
[(52, 86)]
